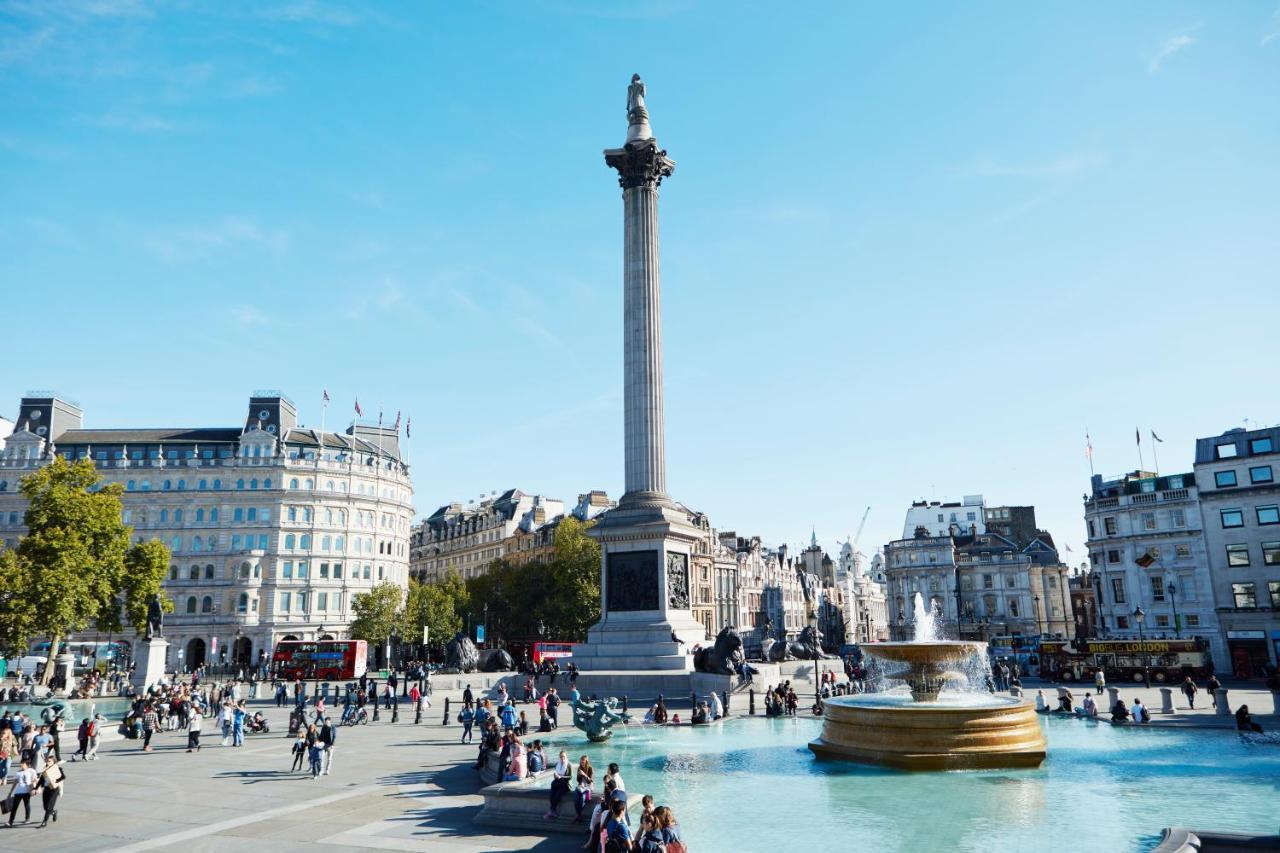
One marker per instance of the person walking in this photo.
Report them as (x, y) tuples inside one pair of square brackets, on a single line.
[(1099, 682), (150, 722), (95, 736), (328, 737), (194, 721), (24, 782), (467, 716), (553, 707), (8, 752), (50, 786), (1189, 690)]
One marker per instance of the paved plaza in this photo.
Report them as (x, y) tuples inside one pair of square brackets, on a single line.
[(393, 787)]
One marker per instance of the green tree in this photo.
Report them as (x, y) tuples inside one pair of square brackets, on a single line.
[(573, 600), (432, 606), (378, 612), (75, 566)]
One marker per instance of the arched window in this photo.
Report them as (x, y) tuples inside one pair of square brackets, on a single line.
[(257, 570), (306, 541), (244, 570), (197, 543), (191, 604), (342, 487), (237, 514), (177, 515), (293, 513), (182, 485), (208, 572), (342, 517), (175, 544), (310, 484), (130, 485), (253, 484), (326, 543), (206, 604), (293, 483), (240, 483), (168, 484), (341, 544), (213, 514), (199, 515), (1013, 608), (242, 603), (194, 574), (289, 541), (173, 573), (202, 485), (266, 484), (217, 485), (329, 485), (253, 513), (328, 516)]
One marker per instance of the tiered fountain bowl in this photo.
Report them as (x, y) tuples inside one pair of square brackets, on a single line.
[(930, 728)]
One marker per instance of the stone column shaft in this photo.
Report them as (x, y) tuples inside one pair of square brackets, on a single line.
[(642, 346)]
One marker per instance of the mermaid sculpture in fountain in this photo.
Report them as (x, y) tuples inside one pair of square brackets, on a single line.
[(597, 718)]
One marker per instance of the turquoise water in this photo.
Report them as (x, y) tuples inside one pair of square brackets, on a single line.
[(753, 784)]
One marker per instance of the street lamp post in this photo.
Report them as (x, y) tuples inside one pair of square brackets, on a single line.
[(1036, 598), (1140, 617), (1173, 599), (817, 666)]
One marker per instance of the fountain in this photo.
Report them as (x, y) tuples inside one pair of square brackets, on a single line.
[(929, 725)]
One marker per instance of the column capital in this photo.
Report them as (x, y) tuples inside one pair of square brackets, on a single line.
[(640, 164)]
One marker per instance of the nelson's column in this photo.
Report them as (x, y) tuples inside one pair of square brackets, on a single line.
[(647, 540)]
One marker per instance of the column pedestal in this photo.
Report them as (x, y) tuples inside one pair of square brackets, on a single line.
[(645, 565), (149, 667)]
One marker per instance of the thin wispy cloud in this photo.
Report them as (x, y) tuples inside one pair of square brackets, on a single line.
[(248, 317), (1172, 45), (1068, 165), (311, 12), (175, 244), (18, 48), (134, 123), (80, 10), (255, 86), (1273, 28)]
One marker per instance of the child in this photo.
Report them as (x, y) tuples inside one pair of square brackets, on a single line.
[(299, 751), (524, 725), (314, 752)]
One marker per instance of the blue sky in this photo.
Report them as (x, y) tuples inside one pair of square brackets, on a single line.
[(907, 253)]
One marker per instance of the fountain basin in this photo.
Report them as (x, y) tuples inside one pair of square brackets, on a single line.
[(962, 733)]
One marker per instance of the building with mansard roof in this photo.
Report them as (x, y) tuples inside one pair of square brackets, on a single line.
[(273, 527)]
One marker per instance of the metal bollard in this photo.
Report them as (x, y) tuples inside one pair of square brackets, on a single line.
[(624, 704), (445, 721), (693, 703), (725, 695), (751, 701), (1166, 700), (1113, 696)]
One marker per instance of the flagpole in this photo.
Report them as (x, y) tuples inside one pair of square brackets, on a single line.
[(1155, 453), (324, 410), (1088, 450), (1138, 438)]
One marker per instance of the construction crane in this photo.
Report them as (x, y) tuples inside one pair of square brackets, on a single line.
[(856, 537)]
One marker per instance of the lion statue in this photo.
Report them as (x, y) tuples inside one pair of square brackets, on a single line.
[(499, 661), (461, 654), (723, 658), (809, 645)]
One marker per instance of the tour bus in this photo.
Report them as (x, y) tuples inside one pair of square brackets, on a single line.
[(88, 653), (539, 651), (314, 659), (1126, 660)]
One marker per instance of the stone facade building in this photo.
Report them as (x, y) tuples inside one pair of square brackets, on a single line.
[(866, 607), (1236, 474), (467, 539), (1147, 550), (273, 527), (983, 584), (514, 526), (939, 517)]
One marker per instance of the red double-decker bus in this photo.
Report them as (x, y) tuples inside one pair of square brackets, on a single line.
[(329, 659), (539, 651)]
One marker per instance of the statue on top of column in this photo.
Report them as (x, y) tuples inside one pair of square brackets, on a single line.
[(635, 94)]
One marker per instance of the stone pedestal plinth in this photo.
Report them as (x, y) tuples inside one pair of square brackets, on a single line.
[(1166, 700), (149, 667), (645, 623), (66, 672), (1220, 703)]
